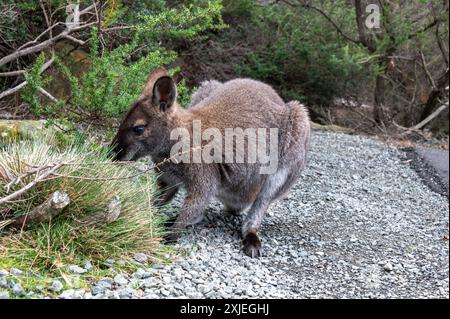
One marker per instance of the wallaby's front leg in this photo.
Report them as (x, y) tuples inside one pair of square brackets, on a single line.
[(190, 213), (168, 192)]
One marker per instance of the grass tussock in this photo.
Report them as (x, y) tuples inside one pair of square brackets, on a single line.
[(91, 181)]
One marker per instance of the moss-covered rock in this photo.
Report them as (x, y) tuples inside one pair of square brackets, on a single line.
[(17, 129)]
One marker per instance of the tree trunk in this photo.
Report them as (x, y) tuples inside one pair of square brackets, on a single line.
[(379, 98), (436, 94)]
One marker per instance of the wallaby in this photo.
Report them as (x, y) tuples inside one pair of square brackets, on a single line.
[(240, 103), (205, 90)]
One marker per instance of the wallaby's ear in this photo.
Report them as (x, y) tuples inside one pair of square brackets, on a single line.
[(164, 93), (151, 80)]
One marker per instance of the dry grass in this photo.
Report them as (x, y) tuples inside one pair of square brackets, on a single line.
[(91, 181)]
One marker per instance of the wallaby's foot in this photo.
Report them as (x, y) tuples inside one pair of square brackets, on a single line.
[(252, 245), (171, 237), (232, 211)]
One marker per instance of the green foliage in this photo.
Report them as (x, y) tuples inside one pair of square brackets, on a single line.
[(115, 78), (34, 81), (184, 93), (111, 84), (310, 63)]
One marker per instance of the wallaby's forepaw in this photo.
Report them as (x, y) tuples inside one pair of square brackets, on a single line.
[(252, 245)]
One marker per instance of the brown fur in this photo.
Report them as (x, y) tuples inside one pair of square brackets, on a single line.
[(240, 103)]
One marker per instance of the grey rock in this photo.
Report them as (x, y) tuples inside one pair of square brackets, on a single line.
[(109, 262), (102, 286), (56, 286), (388, 267), (74, 269), (126, 293), (142, 274), (87, 265), (4, 282), (18, 290), (4, 295), (141, 258), (15, 272), (67, 294), (120, 280)]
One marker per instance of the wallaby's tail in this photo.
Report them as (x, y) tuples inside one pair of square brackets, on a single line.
[(297, 142)]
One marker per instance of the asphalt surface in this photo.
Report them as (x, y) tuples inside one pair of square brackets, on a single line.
[(438, 159)]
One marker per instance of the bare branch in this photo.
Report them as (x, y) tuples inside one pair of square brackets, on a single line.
[(427, 72), (49, 209), (420, 125), (48, 95), (13, 90), (30, 185), (12, 73), (71, 38), (43, 45)]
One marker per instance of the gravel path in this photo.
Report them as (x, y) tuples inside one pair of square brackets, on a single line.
[(359, 224)]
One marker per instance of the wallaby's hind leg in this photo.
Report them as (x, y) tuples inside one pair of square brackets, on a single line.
[(252, 222)]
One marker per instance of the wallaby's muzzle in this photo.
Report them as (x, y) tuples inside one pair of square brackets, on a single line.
[(116, 151)]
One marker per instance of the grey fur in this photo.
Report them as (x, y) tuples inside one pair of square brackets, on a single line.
[(242, 103), (205, 90)]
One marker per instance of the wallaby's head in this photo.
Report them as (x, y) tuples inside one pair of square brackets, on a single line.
[(145, 129)]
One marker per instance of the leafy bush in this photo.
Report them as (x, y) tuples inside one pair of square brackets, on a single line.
[(310, 63), (115, 77)]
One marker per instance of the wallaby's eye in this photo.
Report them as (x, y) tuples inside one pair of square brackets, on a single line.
[(139, 129)]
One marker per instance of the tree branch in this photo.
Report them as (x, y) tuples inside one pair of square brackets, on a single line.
[(325, 15), (41, 46), (30, 185), (429, 118), (13, 90)]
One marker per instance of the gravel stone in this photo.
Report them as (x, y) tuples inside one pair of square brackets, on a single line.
[(87, 265), (102, 286), (16, 272), (360, 223), (56, 286), (4, 295), (120, 280), (4, 282), (141, 258), (77, 269), (388, 267), (18, 290)]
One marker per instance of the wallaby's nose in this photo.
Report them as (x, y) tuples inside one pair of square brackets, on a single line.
[(115, 151)]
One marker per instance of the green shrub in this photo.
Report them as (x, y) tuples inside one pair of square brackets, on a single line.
[(91, 181), (115, 77), (311, 63)]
